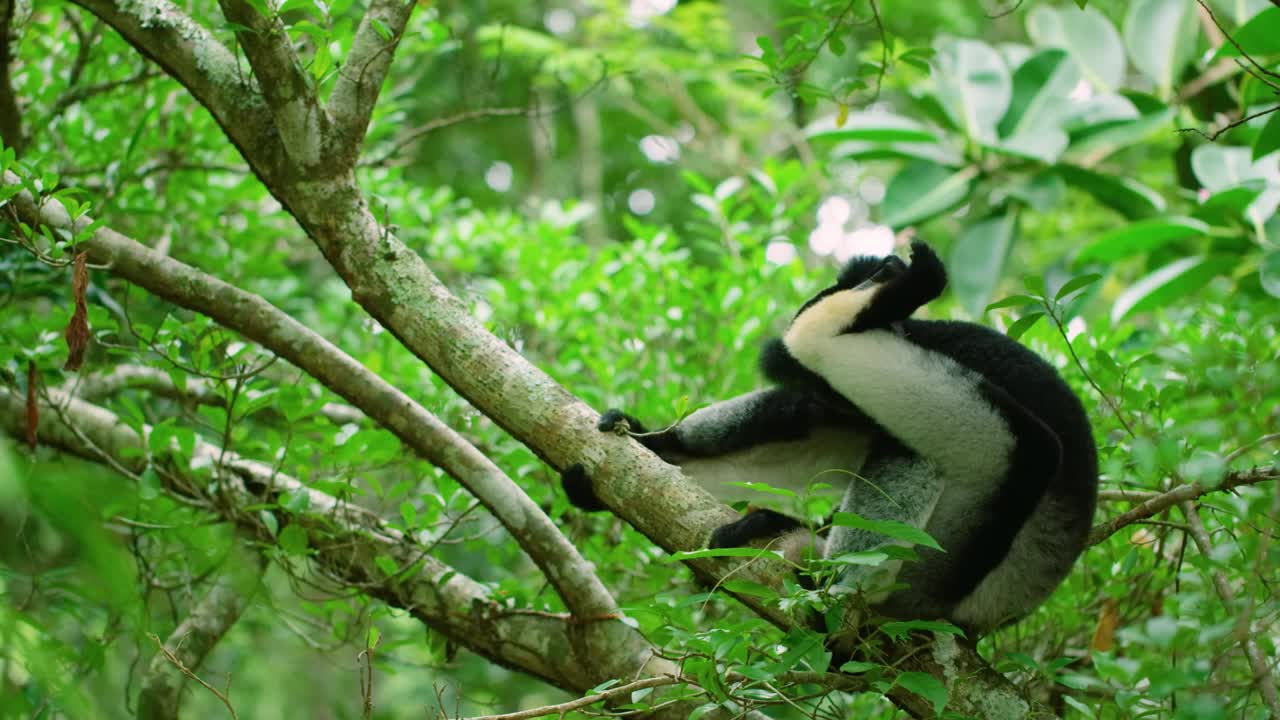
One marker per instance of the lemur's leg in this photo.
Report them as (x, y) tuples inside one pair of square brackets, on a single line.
[(902, 487)]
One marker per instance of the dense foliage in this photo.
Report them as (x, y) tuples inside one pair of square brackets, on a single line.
[(635, 196)]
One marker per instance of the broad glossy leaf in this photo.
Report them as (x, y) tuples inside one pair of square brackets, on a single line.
[(978, 258), (973, 85), (889, 528), (1127, 197), (878, 134), (922, 190), (1257, 37), (926, 686), (1023, 324), (1139, 237), (1269, 272), (1269, 139), (1041, 192), (1238, 12), (1043, 144), (1077, 283), (1226, 206), (1094, 143), (1014, 301), (1175, 24), (1218, 167), (1039, 85), (1098, 110), (1085, 33), (1175, 280)]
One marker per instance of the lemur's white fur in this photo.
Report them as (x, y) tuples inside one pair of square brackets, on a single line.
[(830, 456), (928, 400)]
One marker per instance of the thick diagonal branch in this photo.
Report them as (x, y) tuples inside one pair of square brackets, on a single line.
[(259, 320)]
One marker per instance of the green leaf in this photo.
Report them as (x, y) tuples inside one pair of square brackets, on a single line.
[(296, 502), (1077, 283), (926, 686), (763, 488), (973, 85), (1013, 301), (922, 190), (1042, 144), (1175, 280), (409, 514), (293, 540), (1088, 36), (1139, 237), (1231, 204), (744, 552), (1039, 85), (978, 258), (1258, 37), (877, 134), (386, 565), (1218, 166), (1041, 192), (1177, 26), (269, 521), (749, 587), (857, 666), (1125, 196), (1269, 273), (889, 528), (1092, 143), (1269, 138), (1023, 324)]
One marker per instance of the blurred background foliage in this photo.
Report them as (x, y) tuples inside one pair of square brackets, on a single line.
[(635, 195)]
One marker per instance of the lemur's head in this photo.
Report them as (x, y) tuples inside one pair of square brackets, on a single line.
[(870, 293)]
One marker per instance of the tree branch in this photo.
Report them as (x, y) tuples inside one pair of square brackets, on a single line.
[(189, 643), (10, 120), (285, 84), (420, 430), (1154, 504), (196, 390), (360, 80), (1258, 662), (347, 540)]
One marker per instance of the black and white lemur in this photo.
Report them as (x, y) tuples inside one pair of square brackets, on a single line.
[(947, 426)]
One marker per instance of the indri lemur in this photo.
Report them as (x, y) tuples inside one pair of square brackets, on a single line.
[(947, 426)]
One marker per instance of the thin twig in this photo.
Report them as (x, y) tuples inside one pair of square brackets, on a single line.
[(1183, 493), (1258, 663), (220, 694), (582, 702), (1229, 126), (1236, 45), (1062, 330), (531, 111)]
